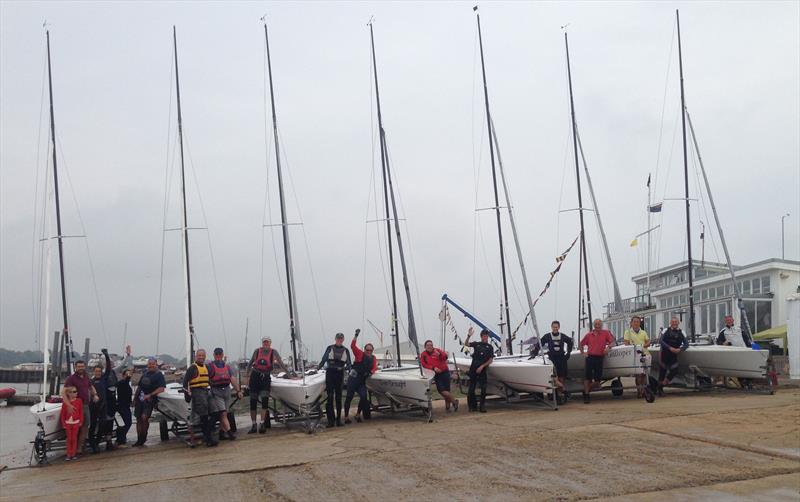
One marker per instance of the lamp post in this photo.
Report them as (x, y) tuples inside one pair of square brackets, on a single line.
[(783, 245)]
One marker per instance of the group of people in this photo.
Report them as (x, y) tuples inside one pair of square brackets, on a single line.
[(91, 403)]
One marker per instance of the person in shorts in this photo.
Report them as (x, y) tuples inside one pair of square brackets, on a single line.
[(221, 379), (151, 384), (436, 360), (594, 346)]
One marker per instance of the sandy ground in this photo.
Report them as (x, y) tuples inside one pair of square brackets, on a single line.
[(685, 446)]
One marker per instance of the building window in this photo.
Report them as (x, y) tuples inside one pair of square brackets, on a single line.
[(712, 293), (763, 315), (746, 288), (727, 290), (704, 294), (750, 311), (765, 284), (720, 292), (682, 300), (756, 285)]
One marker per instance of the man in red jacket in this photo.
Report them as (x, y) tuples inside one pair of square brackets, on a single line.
[(594, 346), (436, 360)]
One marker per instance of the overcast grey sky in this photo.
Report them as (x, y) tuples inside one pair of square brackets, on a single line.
[(114, 105)]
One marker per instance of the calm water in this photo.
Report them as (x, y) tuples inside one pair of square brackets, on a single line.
[(17, 429)]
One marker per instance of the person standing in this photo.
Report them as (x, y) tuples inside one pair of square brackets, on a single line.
[(366, 364), (638, 337), (673, 342), (436, 360), (594, 346), (559, 347), (124, 400), (196, 383), (336, 359), (221, 379), (730, 334), (86, 392), (261, 363), (151, 384), (482, 357), (71, 420)]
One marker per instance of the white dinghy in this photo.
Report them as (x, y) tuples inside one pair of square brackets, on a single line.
[(301, 395), (716, 361)]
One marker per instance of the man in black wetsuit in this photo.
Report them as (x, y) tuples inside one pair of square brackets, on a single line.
[(673, 342), (559, 346), (482, 357), (337, 359), (124, 399)]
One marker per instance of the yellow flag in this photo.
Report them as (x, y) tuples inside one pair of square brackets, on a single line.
[(634, 243)]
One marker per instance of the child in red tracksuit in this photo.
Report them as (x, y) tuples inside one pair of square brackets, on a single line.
[(72, 421)]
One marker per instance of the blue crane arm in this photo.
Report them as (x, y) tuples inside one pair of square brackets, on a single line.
[(470, 317)]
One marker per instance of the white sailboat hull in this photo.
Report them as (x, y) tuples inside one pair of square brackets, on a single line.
[(621, 361), (299, 394), (48, 417), (718, 361), (404, 385), (172, 404), (517, 373)]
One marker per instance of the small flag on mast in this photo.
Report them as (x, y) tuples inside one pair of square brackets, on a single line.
[(648, 181), (634, 243), (655, 208)]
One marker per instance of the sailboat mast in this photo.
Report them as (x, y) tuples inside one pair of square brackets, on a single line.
[(649, 235), (185, 229), (287, 252), (509, 345), (604, 240), (384, 172), (689, 267), (412, 326), (578, 178), (528, 295), (59, 235)]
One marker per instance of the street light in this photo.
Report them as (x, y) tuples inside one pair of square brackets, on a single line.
[(783, 246)]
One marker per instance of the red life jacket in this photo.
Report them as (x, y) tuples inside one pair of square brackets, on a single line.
[(263, 361), (221, 377), (437, 359)]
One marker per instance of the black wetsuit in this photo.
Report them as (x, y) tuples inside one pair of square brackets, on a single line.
[(357, 384), (124, 398), (481, 353), (337, 359), (671, 338), (558, 351)]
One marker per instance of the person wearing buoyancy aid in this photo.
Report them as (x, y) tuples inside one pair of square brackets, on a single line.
[(673, 342), (261, 363), (366, 364), (337, 361), (196, 385), (436, 360), (638, 337), (221, 379), (559, 346)]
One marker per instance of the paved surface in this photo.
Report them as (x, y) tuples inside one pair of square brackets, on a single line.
[(685, 446)]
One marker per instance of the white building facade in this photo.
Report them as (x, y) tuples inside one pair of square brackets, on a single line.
[(664, 293)]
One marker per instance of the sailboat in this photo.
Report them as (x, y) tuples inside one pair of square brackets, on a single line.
[(703, 359), (509, 374), (401, 386), (48, 410), (171, 402), (301, 395)]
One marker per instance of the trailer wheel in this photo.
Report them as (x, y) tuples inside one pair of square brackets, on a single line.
[(616, 388), (163, 430), (649, 396), (40, 448)]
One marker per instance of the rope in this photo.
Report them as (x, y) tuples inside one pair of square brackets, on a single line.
[(36, 291), (85, 239), (167, 178)]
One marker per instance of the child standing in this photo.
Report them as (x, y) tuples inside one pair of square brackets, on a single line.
[(72, 419)]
